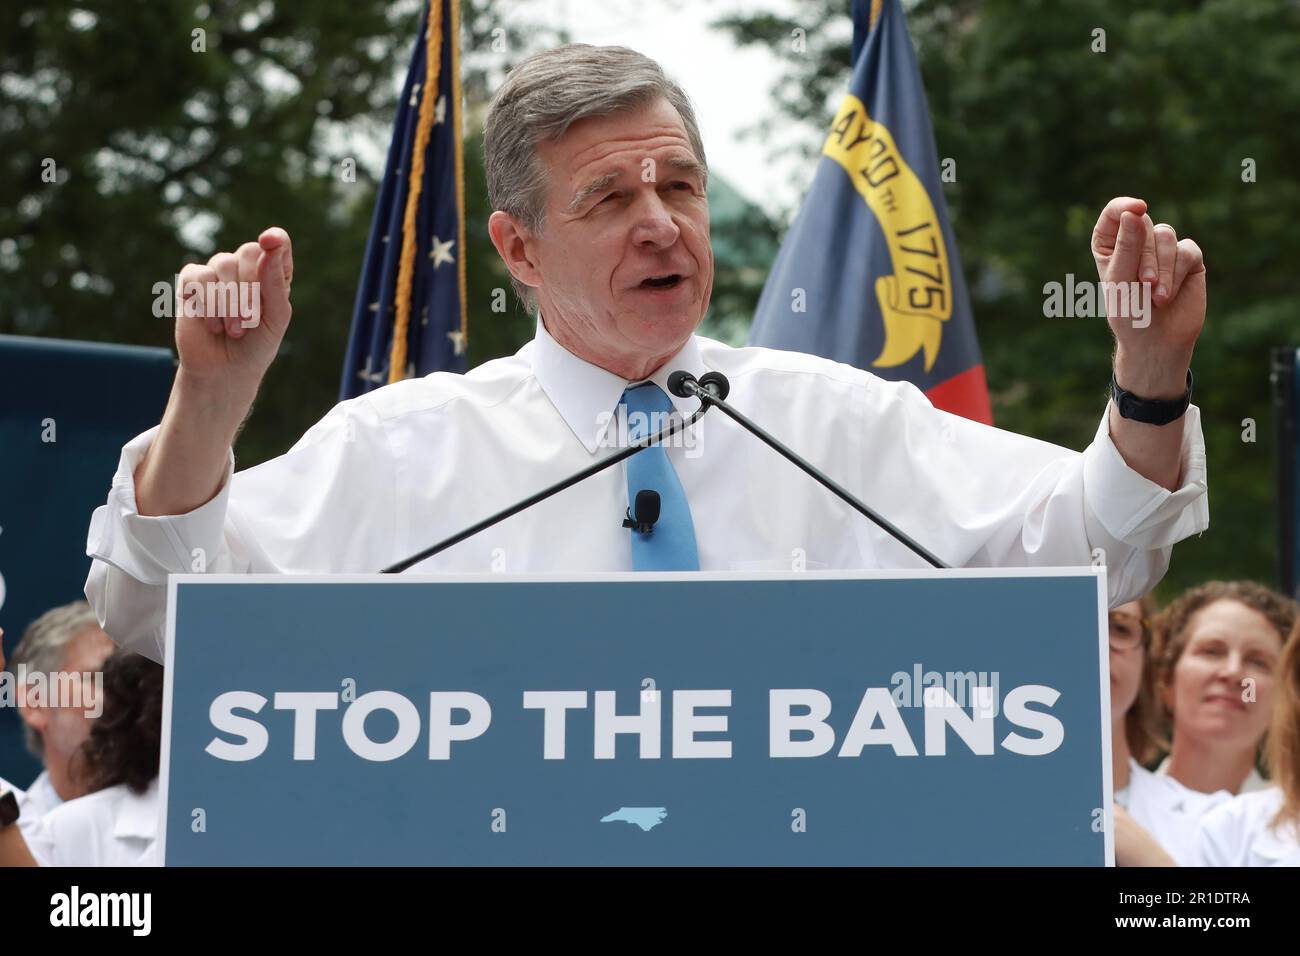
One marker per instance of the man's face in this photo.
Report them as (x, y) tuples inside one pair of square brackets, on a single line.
[(624, 258), (65, 724)]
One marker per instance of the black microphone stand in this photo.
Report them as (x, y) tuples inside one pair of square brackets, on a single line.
[(614, 459), (712, 389)]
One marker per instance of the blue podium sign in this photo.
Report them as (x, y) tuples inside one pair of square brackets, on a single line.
[(845, 718)]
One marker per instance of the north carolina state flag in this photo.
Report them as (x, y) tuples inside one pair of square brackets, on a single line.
[(868, 273)]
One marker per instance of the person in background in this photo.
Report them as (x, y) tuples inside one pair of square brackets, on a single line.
[(1135, 727), (117, 822), (1262, 827), (1216, 652), (13, 848), (1155, 816), (5, 786), (68, 641)]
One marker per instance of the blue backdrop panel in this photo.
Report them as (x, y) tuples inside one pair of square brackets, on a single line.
[(66, 410)]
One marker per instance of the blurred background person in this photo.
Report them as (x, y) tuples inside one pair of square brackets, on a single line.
[(5, 785), (1262, 827), (1135, 717), (68, 641), (1217, 648), (116, 823), (13, 847), (1155, 816)]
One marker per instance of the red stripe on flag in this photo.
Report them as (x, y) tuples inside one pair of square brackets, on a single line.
[(966, 394)]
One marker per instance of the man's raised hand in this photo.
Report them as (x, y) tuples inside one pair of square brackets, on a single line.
[(230, 319), (1153, 350), (232, 314)]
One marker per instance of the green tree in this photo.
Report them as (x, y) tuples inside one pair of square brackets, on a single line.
[(1192, 106), (167, 145)]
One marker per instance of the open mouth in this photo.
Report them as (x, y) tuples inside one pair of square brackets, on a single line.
[(662, 282)]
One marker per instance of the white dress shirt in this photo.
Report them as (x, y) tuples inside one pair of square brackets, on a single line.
[(40, 799), (111, 827), (1240, 833), (1167, 810), (1254, 780), (391, 472)]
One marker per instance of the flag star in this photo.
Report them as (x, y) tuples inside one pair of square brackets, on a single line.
[(373, 307), (410, 370), (367, 375), (440, 111), (441, 251), (415, 95), (424, 315), (457, 341)]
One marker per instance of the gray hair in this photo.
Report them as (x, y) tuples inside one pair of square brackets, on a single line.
[(542, 97), (42, 650)]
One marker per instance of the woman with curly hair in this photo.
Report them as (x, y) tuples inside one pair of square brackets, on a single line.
[(1216, 653), (116, 822), (1214, 657), (1155, 821), (1262, 828)]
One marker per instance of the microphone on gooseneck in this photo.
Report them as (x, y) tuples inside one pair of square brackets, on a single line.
[(712, 388)]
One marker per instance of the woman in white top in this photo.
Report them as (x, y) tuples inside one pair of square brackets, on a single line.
[(1134, 728), (1215, 652), (116, 822), (1263, 828), (1155, 817)]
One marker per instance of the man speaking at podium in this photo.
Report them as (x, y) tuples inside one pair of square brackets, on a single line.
[(597, 173)]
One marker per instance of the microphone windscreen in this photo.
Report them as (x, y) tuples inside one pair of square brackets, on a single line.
[(647, 506), (716, 383), (677, 383)]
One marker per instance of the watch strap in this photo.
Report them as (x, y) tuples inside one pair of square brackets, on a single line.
[(1151, 411)]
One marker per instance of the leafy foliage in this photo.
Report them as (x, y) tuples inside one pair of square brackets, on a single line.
[(1044, 130)]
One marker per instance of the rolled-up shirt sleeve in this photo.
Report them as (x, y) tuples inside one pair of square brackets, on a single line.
[(298, 513), (1134, 509), (149, 548), (999, 499), (1135, 521), (134, 553), (1128, 522)]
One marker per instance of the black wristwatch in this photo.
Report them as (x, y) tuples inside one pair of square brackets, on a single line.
[(1149, 410), (8, 809)]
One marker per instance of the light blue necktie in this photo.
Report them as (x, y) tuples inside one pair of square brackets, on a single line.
[(670, 544)]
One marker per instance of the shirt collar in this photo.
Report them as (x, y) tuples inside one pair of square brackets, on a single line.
[(586, 395)]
